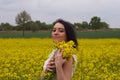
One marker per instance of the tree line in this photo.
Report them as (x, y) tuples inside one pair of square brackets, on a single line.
[(25, 23)]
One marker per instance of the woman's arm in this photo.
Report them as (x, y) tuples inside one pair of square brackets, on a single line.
[(63, 67)]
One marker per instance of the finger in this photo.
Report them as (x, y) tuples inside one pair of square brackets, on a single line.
[(48, 64), (51, 67), (52, 60), (58, 51), (62, 50), (52, 63), (64, 60), (48, 69)]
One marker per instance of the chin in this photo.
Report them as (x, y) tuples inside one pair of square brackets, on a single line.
[(56, 40)]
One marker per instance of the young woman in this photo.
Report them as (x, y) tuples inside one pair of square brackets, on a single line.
[(62, 31)]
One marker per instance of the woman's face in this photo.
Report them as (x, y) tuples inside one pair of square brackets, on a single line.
[(58, 33)]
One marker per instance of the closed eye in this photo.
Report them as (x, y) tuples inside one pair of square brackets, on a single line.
[(61, 30)]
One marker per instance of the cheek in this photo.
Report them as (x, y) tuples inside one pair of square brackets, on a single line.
[(63, 36)]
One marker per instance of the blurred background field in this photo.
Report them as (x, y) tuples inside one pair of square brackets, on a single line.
[(111, 33)]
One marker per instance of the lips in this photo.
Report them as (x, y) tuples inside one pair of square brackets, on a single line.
[(55, 37)]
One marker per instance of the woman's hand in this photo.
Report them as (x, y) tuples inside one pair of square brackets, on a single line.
[(59, 61), (50, 66)]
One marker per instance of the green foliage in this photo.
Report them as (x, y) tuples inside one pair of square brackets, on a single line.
[(31, 26), (85, 25), (47, 34), (22, 18), (104, 25), (25, 23), (99, 34), (5, 26), (78, 26), (96, 23)]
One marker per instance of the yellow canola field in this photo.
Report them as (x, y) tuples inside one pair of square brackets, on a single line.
[(23, 59)]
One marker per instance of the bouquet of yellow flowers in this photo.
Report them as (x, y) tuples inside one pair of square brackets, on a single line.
[(68, 50)]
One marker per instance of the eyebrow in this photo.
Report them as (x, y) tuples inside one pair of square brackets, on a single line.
[(59, 28)]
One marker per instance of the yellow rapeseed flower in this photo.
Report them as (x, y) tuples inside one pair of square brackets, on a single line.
[(67, 47)]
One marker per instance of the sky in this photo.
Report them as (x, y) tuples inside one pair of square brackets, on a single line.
[(70, 10)]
